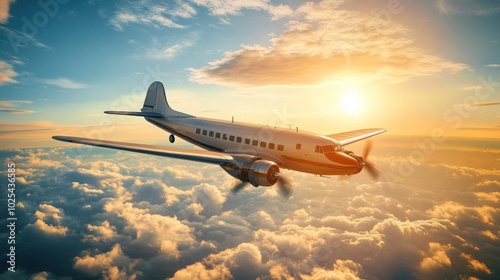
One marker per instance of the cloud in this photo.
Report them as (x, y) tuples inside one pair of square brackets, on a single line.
[(113, 264), (64, 83), (19, 39), (494, 65), (468, 7), (14, 103), (158, 50), (4, 10), (475, 264), (168, 14), (342, 269), (151, 13), (320, 47), (113, 215), (49, 220), (16, 111), (228, 7), (7, 73), (166, 53), (437, 257), (244, 261)]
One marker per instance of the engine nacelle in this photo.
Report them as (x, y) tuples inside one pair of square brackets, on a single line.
[(255, 171), (358, 158)]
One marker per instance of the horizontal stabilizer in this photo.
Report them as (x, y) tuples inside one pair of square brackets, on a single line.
[(139, 114)]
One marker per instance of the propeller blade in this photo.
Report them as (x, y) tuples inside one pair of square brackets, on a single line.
[(285, 187), (238, 187), (372, 170), (368, 148), (370, 167)]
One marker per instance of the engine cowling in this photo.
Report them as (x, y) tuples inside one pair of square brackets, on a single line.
[(358, 158), (257, 172)]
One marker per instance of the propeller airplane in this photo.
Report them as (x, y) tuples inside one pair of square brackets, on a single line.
[(251, 153)]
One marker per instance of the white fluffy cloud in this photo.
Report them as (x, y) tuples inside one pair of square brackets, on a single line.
[(147, 217)]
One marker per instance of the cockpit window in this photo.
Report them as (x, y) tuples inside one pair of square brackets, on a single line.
[(330, 148)]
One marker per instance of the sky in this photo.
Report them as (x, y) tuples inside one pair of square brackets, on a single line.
[(427, 71)]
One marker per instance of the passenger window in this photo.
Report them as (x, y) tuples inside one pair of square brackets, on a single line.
[(247, 141), (204, 132), (211, 134), (217, 135), (231, 138), (280, 147), (255, 142), (224, 136), (198, 131), (262, 144), (238, 139), (271, 146), (316, 149), (298, 146)]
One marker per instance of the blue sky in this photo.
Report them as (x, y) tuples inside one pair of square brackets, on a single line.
[(78, 58)]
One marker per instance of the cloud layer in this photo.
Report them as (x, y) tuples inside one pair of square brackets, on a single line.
[(147, 217), (324, 43)]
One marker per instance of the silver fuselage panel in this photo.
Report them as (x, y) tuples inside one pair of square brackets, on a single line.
[(290, 149)]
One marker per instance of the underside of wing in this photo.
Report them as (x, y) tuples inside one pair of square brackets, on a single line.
[(346, 138), (179, 153)]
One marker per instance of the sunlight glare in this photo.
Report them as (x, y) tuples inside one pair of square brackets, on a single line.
[(350, 102)]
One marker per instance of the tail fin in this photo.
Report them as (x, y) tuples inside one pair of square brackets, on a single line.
[(156, 102), (155, 105)]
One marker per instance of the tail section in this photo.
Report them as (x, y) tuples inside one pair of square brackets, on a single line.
[(155, 105), (156, 102)]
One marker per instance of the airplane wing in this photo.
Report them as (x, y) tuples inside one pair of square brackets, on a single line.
[(179, 153), (346, 138)]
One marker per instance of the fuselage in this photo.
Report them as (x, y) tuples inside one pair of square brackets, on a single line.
[(289, 149)]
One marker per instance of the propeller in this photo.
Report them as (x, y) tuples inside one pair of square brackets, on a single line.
[(370, 167), (284, 186), (238, 186)]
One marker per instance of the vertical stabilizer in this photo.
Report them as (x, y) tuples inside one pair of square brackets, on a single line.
[(156, 102)]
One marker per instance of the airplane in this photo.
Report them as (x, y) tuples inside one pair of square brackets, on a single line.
[(251, 153)]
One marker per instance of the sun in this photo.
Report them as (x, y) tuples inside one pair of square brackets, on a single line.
[(350, 102)]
